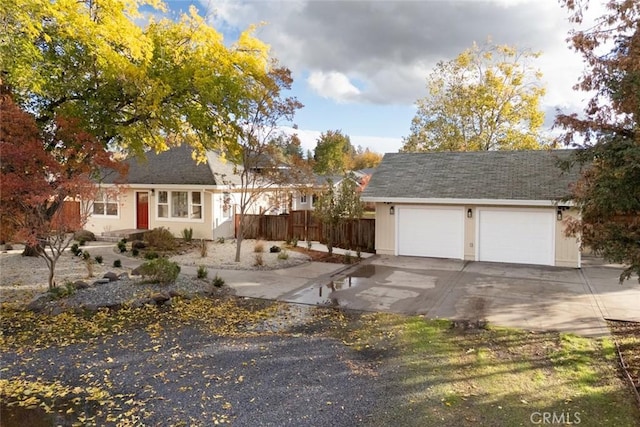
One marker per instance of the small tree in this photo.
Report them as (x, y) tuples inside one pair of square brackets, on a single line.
[(333, 153), (255, 157), (40, 172), (336, 205)]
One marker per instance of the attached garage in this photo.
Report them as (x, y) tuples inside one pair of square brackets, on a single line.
[(431, 231), (523, 236)]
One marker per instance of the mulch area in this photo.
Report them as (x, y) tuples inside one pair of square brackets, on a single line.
[(319, 256), (627, 335)]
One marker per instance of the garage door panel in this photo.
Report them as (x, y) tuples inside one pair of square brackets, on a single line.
[(430, 232), (516, 236)]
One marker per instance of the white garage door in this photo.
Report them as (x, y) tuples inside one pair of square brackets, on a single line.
[(430, 232), (516, 236)]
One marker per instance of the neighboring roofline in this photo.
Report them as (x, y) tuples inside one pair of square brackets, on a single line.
[(501, 202)]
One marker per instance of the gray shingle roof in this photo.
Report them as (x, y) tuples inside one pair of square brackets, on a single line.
[(176, 166), (514, 175)]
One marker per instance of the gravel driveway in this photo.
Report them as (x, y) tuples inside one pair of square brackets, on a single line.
[(182, 374)]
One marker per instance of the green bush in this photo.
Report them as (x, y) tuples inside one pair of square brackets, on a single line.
[(347, 257), (220, 240), (294, 242), (160, 239), (135, 252), (66, 290), (187, 234), (217, 281), (86, 255), (202, 272), (122, 246), (117, 263), (151, 255), (75, 249), (99, 259), (309, 244), (160, 270), (283, 255)]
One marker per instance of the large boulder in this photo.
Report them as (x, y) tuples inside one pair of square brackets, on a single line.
[(113, 277)]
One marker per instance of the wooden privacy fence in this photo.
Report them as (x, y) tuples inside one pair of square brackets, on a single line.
[(303, 225)]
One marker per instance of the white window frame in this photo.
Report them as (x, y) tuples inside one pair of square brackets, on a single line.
[(105, 199), (190, 206), (303, 199)]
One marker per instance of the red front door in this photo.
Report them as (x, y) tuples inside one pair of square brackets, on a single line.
[(142, 209)]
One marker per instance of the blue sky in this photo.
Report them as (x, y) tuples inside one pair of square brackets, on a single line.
[(359, 66)]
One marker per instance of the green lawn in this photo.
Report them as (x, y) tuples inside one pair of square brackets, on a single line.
[(496, 377)]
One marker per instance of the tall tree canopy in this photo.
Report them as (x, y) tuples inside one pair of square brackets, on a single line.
[(131, 87), (333, 153), (485, 99), (607, 134)]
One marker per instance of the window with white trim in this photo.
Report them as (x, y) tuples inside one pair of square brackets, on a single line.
[(163, 204), (180, 204), (303, 199), (105, 204)]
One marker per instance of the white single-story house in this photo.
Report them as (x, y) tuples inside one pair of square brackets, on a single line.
[(171, 190), (499, 206)]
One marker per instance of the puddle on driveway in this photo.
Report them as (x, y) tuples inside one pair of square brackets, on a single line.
[(325, 294)]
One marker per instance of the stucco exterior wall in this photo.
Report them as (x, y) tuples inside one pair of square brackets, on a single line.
[(567, 248), (385, 230), (567, 251)]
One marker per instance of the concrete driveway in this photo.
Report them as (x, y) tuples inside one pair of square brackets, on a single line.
[(521, 296)]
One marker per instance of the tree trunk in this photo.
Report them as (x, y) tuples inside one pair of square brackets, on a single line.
[(52, 269), (32, 251), (239, 237)]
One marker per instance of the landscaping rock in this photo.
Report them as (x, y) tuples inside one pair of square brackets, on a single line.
[(79, 284), (100, 282), (113, 277), (123, 276), (160, 298), (275, 249), (136, 271), (38, 303)]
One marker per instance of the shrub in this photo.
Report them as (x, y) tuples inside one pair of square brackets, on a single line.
[(117, 263), (204, 248), (62, 291), (138, 244), (217, 281), (84, 236), (202, 272), (86, 255), (220, 240), (347, 257), (151, 255), (294, 242), (359, 254), (187, 234), (99, 259), (258, 247), (160, 239), (88, 262), (309, 244), (160, 270), (122, 246), (283, 255), (82, 242), (135, 252), (259, 261), (75, 249)]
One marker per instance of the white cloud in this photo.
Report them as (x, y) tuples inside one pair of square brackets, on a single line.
[(333, 85)]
